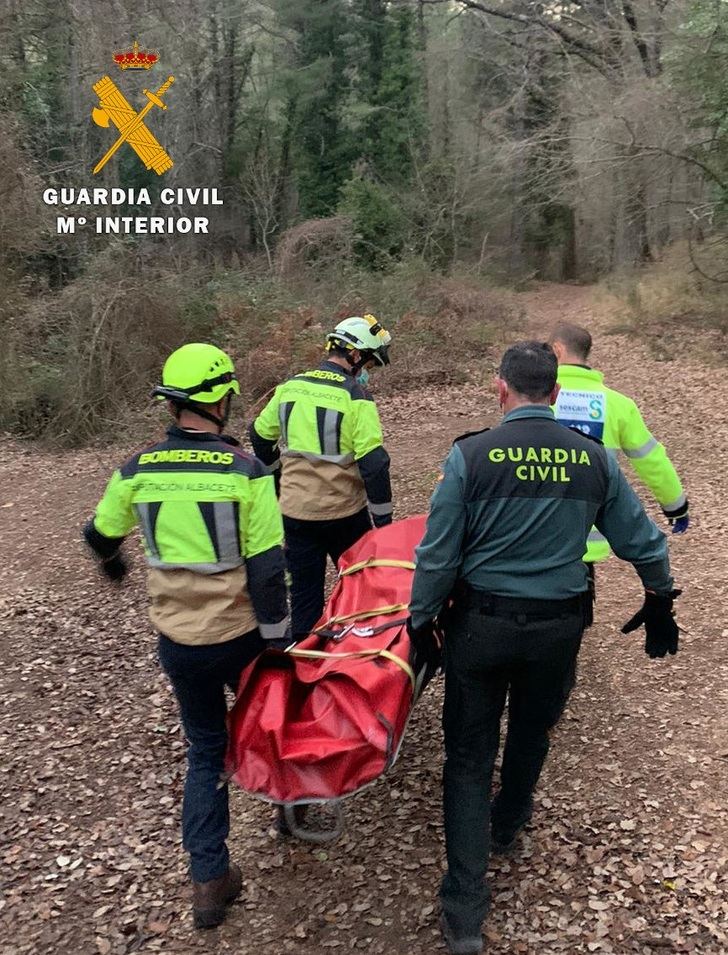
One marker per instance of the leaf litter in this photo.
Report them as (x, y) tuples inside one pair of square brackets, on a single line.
[(628, 849)]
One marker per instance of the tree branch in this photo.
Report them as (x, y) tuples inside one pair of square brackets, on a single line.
[(639, 40), (591, 54)]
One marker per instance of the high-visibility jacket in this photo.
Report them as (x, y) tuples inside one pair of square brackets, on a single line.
[(212, 535), (585, 403), (324, 427)]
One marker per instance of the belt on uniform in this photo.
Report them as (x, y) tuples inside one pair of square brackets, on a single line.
[(493, 605)]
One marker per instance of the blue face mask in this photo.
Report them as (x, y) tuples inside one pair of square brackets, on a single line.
[(363, 378)]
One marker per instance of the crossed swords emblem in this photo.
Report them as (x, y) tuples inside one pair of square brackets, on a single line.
[(114, 108)]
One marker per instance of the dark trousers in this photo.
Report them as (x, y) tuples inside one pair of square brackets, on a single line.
[(199, 675), (486, 659), (308, 543), (591, 574)]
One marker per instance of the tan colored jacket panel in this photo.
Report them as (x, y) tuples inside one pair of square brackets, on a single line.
[(200, 609), (321, 490)]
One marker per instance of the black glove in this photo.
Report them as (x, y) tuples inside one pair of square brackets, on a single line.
[(281, 643), (381, 520), (661, 631), (114, 568), (427, 645)]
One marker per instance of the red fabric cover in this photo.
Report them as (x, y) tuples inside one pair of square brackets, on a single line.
[(304, 729)]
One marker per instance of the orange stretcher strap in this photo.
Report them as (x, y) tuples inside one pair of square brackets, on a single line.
[(377, 562), (387, 654), (362, 615)]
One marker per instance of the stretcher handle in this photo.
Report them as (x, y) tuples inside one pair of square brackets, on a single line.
[(361, 615), (317, 836), (338, 635)]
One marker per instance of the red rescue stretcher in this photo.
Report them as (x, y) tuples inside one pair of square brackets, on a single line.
[(326, 718)]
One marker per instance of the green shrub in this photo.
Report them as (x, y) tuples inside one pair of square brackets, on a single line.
[(78, 362), (77, 359), (379, 226)]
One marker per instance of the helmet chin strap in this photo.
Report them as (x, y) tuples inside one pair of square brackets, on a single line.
[(357, 365), (219, 421)]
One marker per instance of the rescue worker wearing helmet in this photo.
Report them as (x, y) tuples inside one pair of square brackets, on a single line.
[(322, 429), (212, 536)]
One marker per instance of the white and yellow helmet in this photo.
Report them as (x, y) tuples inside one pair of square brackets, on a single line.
[(364, 333)]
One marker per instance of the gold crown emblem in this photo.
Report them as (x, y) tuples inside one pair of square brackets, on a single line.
[(135, 59)]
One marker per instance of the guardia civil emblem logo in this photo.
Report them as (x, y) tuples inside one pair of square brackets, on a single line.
[(115, 109)]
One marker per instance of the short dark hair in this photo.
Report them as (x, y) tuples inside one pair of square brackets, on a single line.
[(530, 369), (577, 339)]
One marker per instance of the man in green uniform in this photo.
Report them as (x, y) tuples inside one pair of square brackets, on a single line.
[(584, 402), (323, 428), (504, 544), (212, 535)]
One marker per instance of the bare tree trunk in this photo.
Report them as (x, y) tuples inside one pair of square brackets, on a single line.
[(637, 213), (568, 256), (284, 162), (422, 43)]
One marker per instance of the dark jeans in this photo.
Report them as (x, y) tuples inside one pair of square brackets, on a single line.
[(486, 659), (308, 543), (199, 675)]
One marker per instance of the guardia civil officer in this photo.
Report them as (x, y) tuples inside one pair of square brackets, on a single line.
[(212, 536), (584, 402), (504, 544), (323, 428)]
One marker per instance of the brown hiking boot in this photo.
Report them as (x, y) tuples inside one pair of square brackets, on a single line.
[(210, 899)]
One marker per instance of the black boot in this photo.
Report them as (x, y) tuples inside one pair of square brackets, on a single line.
[(505, 827), (460, 944)]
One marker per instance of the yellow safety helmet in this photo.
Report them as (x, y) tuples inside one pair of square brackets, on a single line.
[(197, 372)]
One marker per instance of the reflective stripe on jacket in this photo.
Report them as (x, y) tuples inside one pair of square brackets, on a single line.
[(212, 535), (585, 403), (325, 428)]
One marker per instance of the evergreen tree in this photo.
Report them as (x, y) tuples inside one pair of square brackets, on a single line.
[(401, 125), (322, 143), (371, 22), (388, 113)]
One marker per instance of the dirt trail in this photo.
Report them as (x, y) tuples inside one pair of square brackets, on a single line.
[(628, 851)]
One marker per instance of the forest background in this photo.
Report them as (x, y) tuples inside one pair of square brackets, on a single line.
[(415, 158)]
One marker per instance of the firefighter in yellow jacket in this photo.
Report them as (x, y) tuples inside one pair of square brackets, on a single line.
[(585, 403), (212, 536), (322, 429)]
